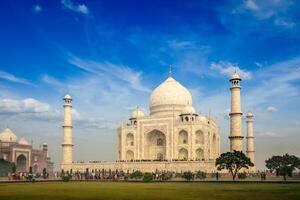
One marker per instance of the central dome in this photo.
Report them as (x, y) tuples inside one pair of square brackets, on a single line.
[(169, 97)]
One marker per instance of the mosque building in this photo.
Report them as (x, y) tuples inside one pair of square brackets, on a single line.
[(21, 152), (173, 137)]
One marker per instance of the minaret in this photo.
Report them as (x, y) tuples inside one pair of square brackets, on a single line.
[(236, 135), (250, 139), (67, 128)]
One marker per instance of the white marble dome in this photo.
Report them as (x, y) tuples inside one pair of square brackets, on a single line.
[(137, 113), (249, 114), (235, 75), (23, 141), (67, 96), (8, 136), (169, 95), (188, 110)]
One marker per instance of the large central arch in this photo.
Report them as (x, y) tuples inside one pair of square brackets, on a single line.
[(155, 145), (21, 163)]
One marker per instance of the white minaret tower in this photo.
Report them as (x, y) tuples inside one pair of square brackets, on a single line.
[(67, 145), (236, 135), (250, 139)]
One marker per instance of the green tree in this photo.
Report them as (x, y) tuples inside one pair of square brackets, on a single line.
[(233, 162), (5, 167), (188, 176), (283, 165), (136, 175), (147, 177)]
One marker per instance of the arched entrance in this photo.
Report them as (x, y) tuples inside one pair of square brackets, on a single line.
[(199, 154), (129, 155), (199, 137), (21, 163), (156, 145), (183, 154), (183, 137), (129, 139)]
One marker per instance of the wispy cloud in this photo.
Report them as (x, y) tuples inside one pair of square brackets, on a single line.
[(13, 78), (228, 68), (284, 23), (76, 7), (266, 9), (37, 9), (272, 109), (251, 5), (120, 72), (52, 81)]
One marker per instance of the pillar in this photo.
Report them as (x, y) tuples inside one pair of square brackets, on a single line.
[(67, 146), (236, 135)]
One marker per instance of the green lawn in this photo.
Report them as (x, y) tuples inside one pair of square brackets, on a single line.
[(144, 191)]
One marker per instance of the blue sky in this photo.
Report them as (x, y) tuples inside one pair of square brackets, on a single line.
[(110, 55)]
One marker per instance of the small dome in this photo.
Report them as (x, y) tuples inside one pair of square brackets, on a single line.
[(67, 96), (249, 114), (8, 136), (23, 141), (137, 113), (188, 110), (169, 95), (234, 76)]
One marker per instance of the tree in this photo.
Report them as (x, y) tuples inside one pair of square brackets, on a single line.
[(136, 175), (5, 167), (147, 177), (188, 176), (233, 162), (283, 165)]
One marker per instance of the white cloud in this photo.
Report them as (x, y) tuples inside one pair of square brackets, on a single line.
[(13, 78), (37, 9), (119, 72), (258, 64), (272, 109), (81, 8), (251, 5), (28, 106), (228, 68), (52, 81), (284, 23)]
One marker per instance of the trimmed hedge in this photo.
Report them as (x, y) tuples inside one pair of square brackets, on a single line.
[(147, 177)]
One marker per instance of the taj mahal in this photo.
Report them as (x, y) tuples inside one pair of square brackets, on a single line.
[(173, 137)]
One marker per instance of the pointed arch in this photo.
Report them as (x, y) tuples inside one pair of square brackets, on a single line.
[(129, 155), (199, 154), (129, 139), (199, 137), (155, 145), (183, 154), (183, 137)]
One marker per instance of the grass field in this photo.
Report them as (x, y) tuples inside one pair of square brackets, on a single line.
[(145, 191)]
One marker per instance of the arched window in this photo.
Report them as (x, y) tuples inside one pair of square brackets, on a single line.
[(214, 146), (129, 139), (183, 137), (160, 156), (199, 154), (187, 119), (129, 155), (199, 137), (183, 154)]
